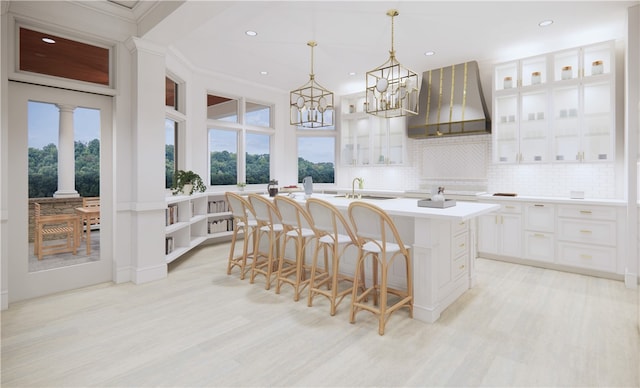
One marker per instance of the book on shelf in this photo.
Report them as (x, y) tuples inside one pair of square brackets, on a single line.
[(217, 206), (171, 214), (223, 225), (168, 247)]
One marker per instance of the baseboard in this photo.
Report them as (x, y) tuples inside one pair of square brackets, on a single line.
[(148, 274), (630, 280)]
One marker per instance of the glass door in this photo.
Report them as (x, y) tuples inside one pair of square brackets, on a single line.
[(60, 157)]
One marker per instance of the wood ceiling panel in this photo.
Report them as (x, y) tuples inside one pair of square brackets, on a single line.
[(64, 58)]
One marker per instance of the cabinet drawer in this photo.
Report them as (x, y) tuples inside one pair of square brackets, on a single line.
[(588, 212), (460, 266), (460, 244), (590, 232), (539, 246), (540, 217), (458, 227), (593, 257), (511, 208)]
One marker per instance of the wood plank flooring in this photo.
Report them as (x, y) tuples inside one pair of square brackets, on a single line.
[(520, 326)]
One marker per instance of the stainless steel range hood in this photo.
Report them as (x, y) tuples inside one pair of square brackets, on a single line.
[(451, 103)]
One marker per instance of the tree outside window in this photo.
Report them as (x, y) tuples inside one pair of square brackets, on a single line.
[(223, 156), (316, 158)]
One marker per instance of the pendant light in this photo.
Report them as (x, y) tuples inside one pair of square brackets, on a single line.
[(392, 89), (311, 104)]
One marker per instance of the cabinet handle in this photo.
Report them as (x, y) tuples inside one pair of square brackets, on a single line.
[(538, 235), (585, 256), (462, 223), (538, 205), (585, 231), (585, 211), (461, 245), (462, 266), (509, 207)]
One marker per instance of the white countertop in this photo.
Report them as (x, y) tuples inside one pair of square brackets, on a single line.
[(409, 207), (563, 200)]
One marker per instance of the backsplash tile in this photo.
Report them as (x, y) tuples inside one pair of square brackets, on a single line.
[(597, 180)]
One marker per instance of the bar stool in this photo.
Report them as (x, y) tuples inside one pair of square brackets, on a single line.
[(244, 222), (269, 225), (334, 235), (297, 228), (380, 241)]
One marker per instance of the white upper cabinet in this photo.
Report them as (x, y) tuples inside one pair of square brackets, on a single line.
[(367, 140), (556, 108)]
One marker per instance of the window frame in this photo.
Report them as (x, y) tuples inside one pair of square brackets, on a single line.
[(242, 129)]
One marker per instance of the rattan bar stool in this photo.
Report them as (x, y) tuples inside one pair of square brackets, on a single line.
[(244, 223), (297, 228), (334, 236), (269, 225), (379, 241)]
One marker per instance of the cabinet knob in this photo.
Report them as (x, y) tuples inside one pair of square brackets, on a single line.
[(462, 266), (461, 245)]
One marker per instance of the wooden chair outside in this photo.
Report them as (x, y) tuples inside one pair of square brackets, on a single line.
[(244, 223), (91, 203), (297, 228), (63, 225), (379, 241)]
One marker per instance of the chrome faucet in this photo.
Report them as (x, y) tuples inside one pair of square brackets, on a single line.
[(360, 186)]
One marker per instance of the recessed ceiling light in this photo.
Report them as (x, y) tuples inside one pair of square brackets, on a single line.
[(264, 72), (430, 53), (251, 33), (48, 40), (545, 23), (352, 73)]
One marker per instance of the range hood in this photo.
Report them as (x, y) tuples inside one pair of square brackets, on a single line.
[(451, 103)]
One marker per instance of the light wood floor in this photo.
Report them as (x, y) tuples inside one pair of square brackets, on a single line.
[(521, 326)]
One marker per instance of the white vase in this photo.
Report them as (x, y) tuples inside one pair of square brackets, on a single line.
[(186, 189)]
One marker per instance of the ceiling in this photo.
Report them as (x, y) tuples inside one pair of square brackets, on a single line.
[(355, 36)]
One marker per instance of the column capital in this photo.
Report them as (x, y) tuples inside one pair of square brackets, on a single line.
[(66, 107)]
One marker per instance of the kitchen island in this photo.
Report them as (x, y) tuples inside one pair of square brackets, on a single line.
[(443, 246)]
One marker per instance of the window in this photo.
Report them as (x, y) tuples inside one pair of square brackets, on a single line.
[(239, 145), (223, 154), (257, 158), (171, 93), (257, 115), (316, 158), (222, 108), (171, 135)]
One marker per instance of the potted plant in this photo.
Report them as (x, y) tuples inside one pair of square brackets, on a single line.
[(241, 186), (187, 182)]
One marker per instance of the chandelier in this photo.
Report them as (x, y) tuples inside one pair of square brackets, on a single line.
[(311, 104), (392, 89)]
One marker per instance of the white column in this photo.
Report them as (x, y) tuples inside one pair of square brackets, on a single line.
[(66, 154)]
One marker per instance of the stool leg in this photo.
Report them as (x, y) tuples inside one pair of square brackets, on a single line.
[(312, 276)]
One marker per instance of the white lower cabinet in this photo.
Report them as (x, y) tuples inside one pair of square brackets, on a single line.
[(587, 237), (539, 228), (500, 232), (558, 234)]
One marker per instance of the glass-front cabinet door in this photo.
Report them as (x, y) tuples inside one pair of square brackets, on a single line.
[(557, 107), (520, 112), (367, 140), (584, 119), (388, 141)]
